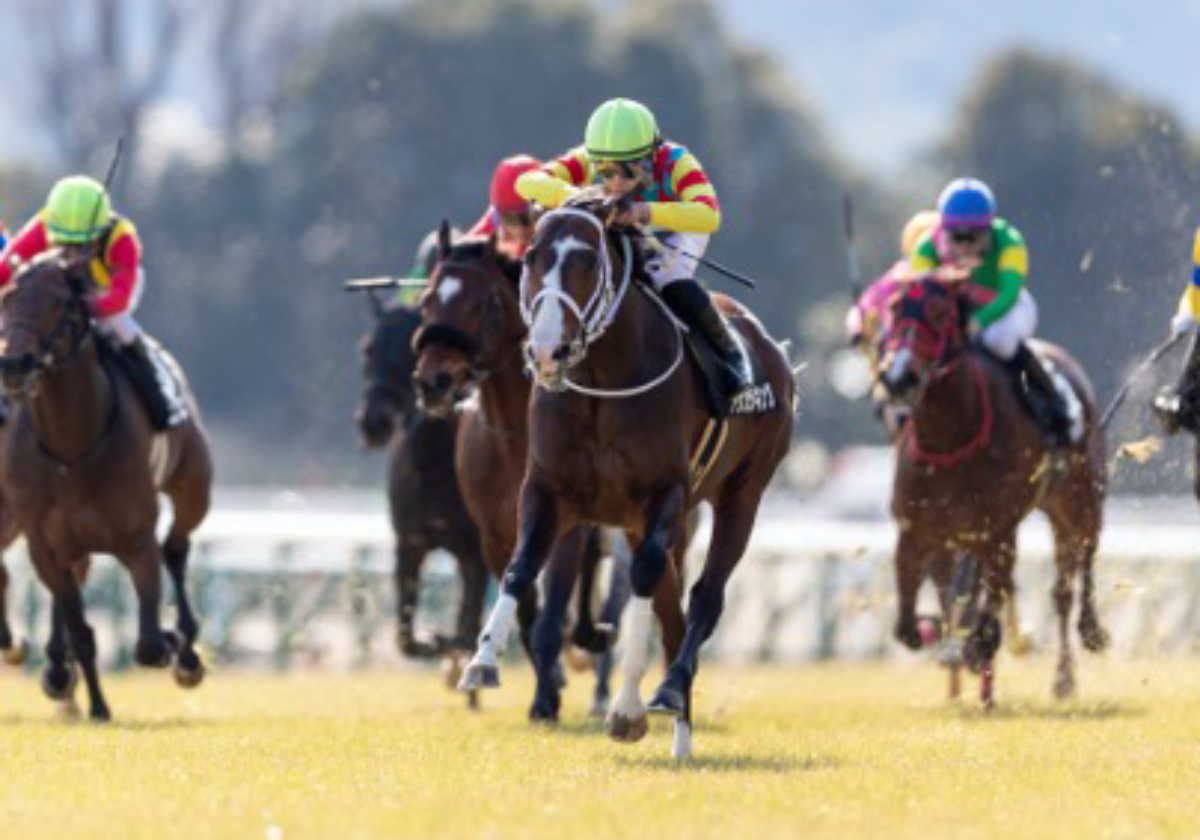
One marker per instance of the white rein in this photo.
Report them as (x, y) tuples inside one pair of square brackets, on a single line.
[(601, 309)]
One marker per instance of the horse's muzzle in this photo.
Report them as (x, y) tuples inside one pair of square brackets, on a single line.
[(435, 394), (18, 374), (375, 425)]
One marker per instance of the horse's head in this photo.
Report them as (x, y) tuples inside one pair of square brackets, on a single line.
[(928, 330), (568, 294), (470, 320), (45, 317), (388, 360)]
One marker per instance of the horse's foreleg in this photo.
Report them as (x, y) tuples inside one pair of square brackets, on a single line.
[(733, 522), (558, 584), (190, 490), (538, 529), (910, 564), (410, 555), (142, 561), (474, 593), (663, 527), (68, 621), (6, 639)]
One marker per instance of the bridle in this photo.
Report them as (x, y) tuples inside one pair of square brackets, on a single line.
[(598, 314), (74, 319)]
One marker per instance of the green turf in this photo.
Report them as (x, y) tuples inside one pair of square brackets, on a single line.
[(839, 751)]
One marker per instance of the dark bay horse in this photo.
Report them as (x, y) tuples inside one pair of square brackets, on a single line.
[(12, 650), (614, 423), (82, 468), (427, 508), (471, 341), (971, 465)]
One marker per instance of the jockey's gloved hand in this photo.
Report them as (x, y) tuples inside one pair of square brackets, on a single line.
[(1183, 322)]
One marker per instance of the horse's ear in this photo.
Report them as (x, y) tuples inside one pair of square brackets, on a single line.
[(444, 240), (490, 248)]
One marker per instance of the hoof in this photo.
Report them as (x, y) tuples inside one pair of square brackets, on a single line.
[(909, 635), (1095, 638), (626, 730), (578, 659), (540, 716), (1064, 687), (930, 630), (100, 714), (668, 700), (60, 686), (18, 654), (189, 677), (473, 701), (479, 675)]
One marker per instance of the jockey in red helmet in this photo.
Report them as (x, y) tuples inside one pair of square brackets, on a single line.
[(508, 216)]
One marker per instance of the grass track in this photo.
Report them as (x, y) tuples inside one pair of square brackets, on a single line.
[(838, 751)]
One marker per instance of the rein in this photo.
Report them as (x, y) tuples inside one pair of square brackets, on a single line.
[(598, 314), (978, 441)]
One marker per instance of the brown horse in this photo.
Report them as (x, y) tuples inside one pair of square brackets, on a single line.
[(971, 465), (12, 651), (77, 468), (614, 423), (471, 339), (427, 508)]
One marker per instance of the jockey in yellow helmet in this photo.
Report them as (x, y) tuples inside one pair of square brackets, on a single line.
[(624, 154)]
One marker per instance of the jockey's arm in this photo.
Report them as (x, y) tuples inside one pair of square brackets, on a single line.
[(697, 210), (1013, 269), (554, 183), (124, 260), (28, 243)]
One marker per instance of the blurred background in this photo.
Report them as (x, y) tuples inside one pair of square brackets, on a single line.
[(276, 147)]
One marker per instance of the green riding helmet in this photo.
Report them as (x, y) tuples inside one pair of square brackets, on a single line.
[(77, 211), (621, 130)]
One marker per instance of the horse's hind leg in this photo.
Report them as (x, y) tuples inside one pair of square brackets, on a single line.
[(190, 490), (14, 654), (733, 522), (474, 575), (410, 556), (996, 562), (142, 560)]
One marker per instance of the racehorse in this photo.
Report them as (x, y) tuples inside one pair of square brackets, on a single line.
[(615, 420), (12, 651), (471, 340), (427, 509), (971, 465), (82, 468)]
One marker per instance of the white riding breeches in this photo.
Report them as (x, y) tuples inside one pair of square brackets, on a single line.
[(1003, 337), (121, 327), (674, 256)]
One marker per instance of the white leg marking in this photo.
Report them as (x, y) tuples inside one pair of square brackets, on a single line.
[(681, 741), (494, 637), (638, 616)]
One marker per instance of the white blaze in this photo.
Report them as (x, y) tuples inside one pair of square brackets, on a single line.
[(548, 331), (448, 288)]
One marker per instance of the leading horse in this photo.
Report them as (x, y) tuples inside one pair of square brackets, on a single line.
[(82, 469), (971, 465), (471, 343), (614, 423)]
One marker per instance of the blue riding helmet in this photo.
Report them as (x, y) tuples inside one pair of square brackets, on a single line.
[(967, 203)]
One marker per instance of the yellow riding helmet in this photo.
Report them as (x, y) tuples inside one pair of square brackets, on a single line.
[(621, 130), (77, 210), (916, 229)]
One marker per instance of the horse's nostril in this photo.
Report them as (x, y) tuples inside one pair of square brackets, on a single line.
[(561, 353), (442, 382)]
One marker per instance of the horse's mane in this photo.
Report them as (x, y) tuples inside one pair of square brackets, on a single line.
[(476, 248)]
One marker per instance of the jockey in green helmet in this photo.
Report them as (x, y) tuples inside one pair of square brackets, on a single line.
[(79, 219), (624, 154)]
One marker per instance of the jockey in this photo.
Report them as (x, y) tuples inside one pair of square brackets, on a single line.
[(1177, 406), (992, 253), (625, 155), (79, 218), (868, 321), (508, 216)]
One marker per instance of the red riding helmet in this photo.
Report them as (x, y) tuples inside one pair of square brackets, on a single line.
[(504, 184)]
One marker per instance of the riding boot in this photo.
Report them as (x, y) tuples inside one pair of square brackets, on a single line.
[(135, 358), (1179, 407), (1041, 396), (691, 302)]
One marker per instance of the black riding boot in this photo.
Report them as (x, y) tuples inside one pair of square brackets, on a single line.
[(690, 301), (142, 372), (1179, 407), (1041, 397)]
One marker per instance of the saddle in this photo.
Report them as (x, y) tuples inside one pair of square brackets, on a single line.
[(161, 386)]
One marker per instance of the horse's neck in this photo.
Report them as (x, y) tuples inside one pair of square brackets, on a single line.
[(504, 396), (627, 353), (953, 408), (71, 406)]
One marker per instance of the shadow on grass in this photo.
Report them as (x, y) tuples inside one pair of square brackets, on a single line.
[(1099, 710), (735, 763), (593, 727), (131, 725)]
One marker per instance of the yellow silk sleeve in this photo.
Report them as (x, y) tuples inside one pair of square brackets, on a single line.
[(685, 216), (543, 188)]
